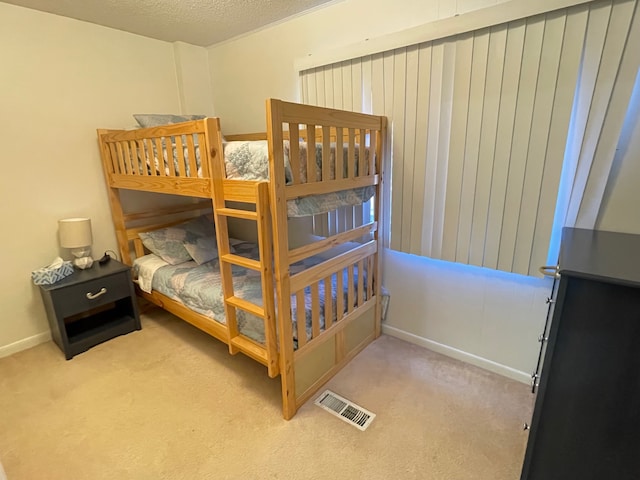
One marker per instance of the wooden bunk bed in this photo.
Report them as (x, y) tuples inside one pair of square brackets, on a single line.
[(131, 161)]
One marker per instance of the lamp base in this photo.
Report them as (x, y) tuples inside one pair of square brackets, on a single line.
[(83, 258), (83, 262)]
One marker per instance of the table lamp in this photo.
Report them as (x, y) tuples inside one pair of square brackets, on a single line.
[(75, 234)]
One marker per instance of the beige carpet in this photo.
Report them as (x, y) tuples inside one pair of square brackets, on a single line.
[(169, 402)]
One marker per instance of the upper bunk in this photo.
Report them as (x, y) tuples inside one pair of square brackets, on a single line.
[(333, 163)]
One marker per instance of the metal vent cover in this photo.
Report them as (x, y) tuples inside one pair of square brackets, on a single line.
[(345, 410)]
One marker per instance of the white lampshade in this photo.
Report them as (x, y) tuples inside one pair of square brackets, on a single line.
[(75, 232)]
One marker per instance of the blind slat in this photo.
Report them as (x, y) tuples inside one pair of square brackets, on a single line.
[(457, 141), (410, 108), (472, 146), (504, 139), (433, 135), (420, 149), (492, 96)]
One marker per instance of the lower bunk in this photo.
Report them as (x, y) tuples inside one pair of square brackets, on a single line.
[(340, 306)]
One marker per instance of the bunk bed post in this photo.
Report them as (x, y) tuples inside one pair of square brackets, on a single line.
[(265, 242), (115, 203), (281, 255), (378, 217)]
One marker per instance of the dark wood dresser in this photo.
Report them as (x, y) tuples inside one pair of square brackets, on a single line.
[(586, 420)]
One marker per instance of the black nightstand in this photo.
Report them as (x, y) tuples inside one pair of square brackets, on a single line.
[(91, 306)]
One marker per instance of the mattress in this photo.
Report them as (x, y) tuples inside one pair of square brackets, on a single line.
[(199, 287), (249, 160)]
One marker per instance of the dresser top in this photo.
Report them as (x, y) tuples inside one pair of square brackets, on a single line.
[(603, 256)]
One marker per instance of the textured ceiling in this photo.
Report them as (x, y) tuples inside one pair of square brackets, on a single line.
[(199, 22)]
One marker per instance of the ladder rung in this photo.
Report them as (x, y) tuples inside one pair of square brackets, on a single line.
[(234, 212), (250, 348), (242, 261), (246, 306)]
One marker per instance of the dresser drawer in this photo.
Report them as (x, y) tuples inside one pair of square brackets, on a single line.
[(93, 293)]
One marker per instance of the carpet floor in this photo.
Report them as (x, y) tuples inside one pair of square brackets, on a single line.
[(169, 402)]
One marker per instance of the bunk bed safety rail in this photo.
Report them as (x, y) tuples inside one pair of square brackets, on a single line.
[(169, 158)]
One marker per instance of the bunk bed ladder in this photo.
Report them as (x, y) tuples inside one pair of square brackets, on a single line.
[(267, 354), (250, 192)]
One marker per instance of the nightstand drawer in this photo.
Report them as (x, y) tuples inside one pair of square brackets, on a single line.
[(93, 293)]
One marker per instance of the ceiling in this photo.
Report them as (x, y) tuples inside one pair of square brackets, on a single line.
[(199, 22)]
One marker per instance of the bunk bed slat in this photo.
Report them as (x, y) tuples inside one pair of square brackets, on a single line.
[(294, 153), (362, 157), (311, 154), (315, 310), (326, 153), (191, 152), (339, 298), (351, 154), (121, 162), (206, 171), (301, 318), (373, 152), (328, 302), (339, 156), (350, 293), (150, 168), (133, 147), (360, 282)]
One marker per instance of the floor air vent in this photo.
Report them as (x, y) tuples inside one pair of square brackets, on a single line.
[(345, 410)]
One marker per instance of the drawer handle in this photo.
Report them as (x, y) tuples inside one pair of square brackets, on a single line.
[(93, 296), (550, 271)]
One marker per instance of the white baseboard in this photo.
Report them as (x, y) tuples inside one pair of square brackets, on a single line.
[(492, 366), (23, 344)]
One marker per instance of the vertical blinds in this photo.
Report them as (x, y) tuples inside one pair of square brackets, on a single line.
[(479, 126)]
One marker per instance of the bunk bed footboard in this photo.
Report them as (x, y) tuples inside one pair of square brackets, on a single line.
[(344, 311)]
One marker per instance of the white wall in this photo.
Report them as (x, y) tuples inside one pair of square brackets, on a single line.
[(486, 317), (60, 80), (194, 82)]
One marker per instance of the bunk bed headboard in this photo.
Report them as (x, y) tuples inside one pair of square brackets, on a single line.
[(177, 159)]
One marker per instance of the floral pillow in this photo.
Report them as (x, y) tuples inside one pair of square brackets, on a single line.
[(169, 243), (202, 250)]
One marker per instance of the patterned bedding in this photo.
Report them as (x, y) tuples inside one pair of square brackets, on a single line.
[(199, 288), (249, 160)]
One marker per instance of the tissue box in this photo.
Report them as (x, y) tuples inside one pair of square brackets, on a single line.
[(52, 273)]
